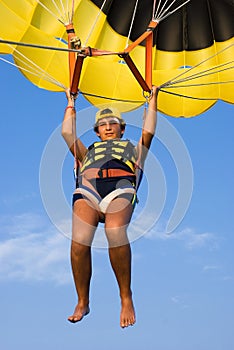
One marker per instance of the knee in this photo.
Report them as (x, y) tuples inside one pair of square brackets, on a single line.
[(116, 236), (78, 249)]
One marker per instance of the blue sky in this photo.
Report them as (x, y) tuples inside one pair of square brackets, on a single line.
[(183, 282)]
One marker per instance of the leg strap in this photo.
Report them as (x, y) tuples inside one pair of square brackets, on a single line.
[(102, 204)]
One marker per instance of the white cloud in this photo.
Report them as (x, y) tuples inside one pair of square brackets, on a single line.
[(21, 224), (33, 250), (12, 200), (175, 299), (179, 300), (219, 272), (228, 278), (210, 268), (188, 236)]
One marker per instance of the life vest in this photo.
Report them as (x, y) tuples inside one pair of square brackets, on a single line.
[(102, 152)]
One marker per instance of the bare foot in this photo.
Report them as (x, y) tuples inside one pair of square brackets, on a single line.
[(127, 315), (79, 313)]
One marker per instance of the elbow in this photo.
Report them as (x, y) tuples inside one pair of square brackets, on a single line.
[(147, 138), (148, 134), (68, 138), (66, 134)]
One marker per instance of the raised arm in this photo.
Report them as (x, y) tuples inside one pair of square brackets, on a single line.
[(69, 129), (149, 127)]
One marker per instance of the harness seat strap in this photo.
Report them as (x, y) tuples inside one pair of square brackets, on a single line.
[(103, 204)]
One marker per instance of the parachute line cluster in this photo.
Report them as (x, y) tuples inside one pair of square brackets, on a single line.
[(94, 23), (198, 36), (131, 25), (32, 68), (202, 73), (163, 12), (64, 10)]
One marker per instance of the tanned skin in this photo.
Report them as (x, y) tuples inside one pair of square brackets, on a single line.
[(117, 218)]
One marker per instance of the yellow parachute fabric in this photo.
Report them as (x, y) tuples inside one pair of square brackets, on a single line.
[(40, 23)]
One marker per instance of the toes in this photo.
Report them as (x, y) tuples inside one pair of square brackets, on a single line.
[(78, 314), (127, 323), (74, 319)]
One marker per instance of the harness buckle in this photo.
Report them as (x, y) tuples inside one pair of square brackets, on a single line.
[(103, 173), (100, 173)]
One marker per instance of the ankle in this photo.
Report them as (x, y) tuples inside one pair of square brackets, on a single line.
[(126, 297), (83, 301)]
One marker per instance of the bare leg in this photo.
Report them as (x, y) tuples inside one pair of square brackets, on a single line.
[(85, 220), (120, 256), (82, 270)]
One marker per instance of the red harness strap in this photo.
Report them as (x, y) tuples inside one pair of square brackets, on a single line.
[(96, 173)]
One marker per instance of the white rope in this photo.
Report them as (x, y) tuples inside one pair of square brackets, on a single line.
[(201, 84), (67, 8), (164, 13), (197, 65), (51, 80), (62, 6), (171, 12), (94, 24), (154, 7), (34, 68), (72, 11), (131, 25), (57, 8), (160, 10), (47, 9), (213, 70), (207, 72), (38, 71), (62, 13)]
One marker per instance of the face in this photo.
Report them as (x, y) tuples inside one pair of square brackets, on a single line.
[(109, 128)]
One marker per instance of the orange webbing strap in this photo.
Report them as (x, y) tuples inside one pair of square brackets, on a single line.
[(84, 52), (152, 25), (77, 63), (71, 55), (135, 71), (148, 59), (73, 43), (76, 75), (146, 83)]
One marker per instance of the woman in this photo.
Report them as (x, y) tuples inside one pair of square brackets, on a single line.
[(106, 192)]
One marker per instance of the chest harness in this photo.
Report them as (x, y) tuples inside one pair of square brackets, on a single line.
[(100, 153), (107, 159)]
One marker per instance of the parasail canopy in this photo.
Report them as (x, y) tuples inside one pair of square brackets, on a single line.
[(190, 57)]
